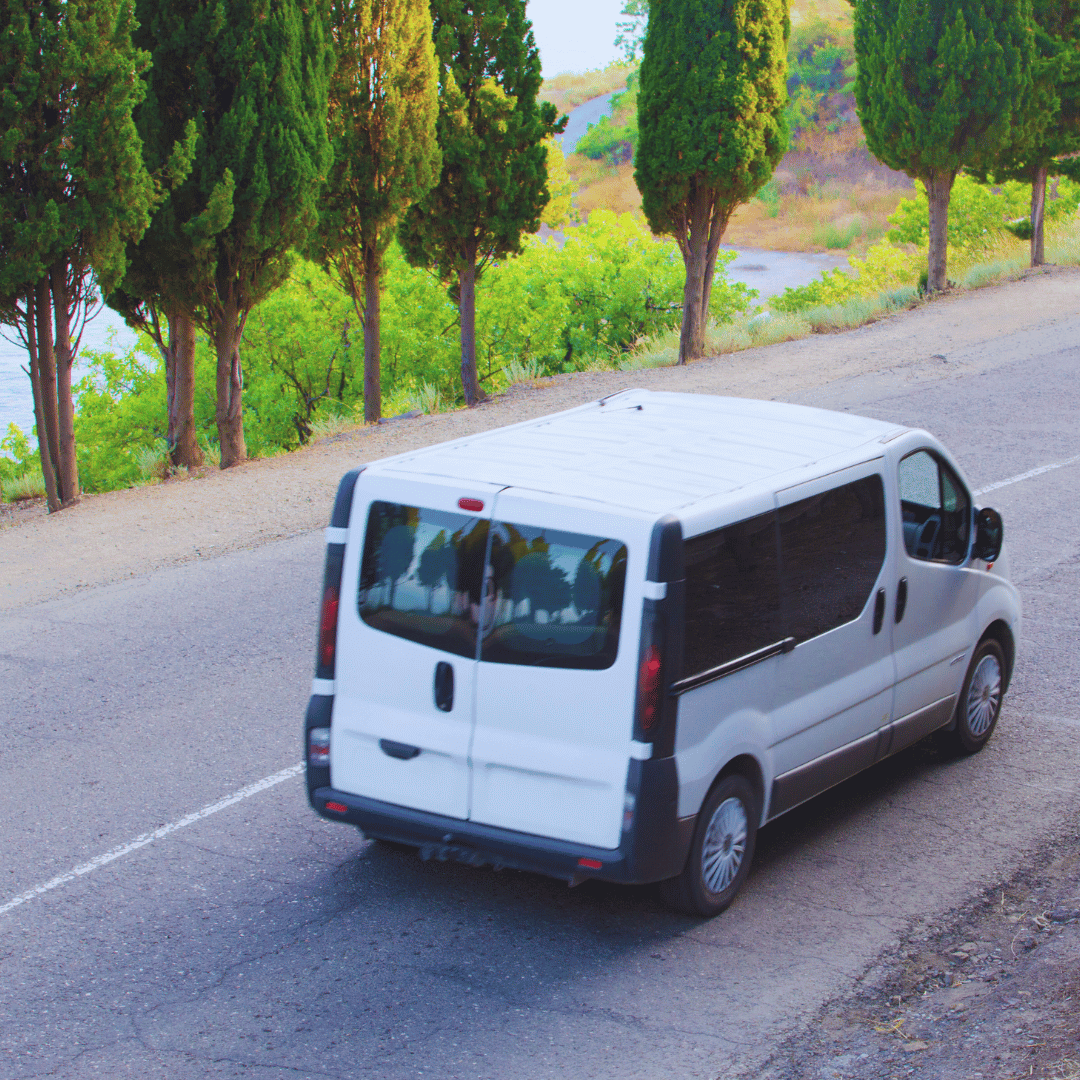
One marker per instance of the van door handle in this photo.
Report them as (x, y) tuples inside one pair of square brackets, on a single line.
[(444, 686), (879, 611), (401, 751), (901, 598)]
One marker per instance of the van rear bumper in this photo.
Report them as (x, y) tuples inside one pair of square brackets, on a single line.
[(451, 839)]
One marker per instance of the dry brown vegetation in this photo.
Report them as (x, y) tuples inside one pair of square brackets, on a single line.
[(828, 193), (568, 91)]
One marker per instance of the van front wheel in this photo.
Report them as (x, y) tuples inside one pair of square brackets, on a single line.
[(720, 853), (980, 700)]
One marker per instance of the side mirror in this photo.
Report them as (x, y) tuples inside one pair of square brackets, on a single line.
[(989, 532)]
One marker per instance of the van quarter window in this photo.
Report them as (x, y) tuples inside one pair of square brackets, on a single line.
[(739, 601), (936, 509), (833, 547), (732, 593), (421, 573), (555, 598)]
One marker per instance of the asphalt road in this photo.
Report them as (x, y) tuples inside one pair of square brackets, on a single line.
[(258, 941)]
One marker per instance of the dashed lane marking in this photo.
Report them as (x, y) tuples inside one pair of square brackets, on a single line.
[(149, 838), (1028, 475)]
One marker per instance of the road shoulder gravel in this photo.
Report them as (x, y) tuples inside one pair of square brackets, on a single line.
[(991, 990)]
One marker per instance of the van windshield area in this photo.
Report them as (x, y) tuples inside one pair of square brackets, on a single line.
[(512, 594)]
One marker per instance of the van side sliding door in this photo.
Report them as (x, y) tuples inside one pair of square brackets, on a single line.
[(835, 687)]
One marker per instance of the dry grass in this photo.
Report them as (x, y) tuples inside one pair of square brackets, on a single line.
[(568, 91), (23, 488), (828, 194), (827, 10), (604, 187)]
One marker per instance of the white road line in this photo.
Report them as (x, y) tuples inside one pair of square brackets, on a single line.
[(1028, 475), (148, 838)]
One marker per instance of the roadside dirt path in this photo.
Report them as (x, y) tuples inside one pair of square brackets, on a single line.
[(124, 534), (990, 992)]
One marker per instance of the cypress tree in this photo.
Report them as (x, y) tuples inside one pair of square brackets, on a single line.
[(253, 76), (711, 128), (493, 185), (1047, 135), (384, 102), (155, 295), (939, 85), (73, 191)]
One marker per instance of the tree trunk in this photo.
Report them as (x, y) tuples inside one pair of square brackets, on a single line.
[(68, 466), (49, 437), (183, 440), (372, 300), (695, 259), (1038, 209), (717, 227), (47, 472), (228, 329), (938, 189), (467, 308), (168, 353)]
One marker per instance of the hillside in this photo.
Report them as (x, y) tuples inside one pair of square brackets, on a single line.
[(828, 193)]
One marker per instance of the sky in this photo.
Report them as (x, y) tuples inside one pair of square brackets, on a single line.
[(575, 35)]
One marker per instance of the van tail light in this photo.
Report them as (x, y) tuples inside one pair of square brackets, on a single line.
[(319, 748), (325, 655), (328, 627), (649, 709), (649, 679)]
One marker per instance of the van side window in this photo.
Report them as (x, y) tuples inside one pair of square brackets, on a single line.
[(833, 548), (936, 509), (421, 573), (553, 599), (732, 593)]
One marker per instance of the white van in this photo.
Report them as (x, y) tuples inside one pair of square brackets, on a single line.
[(614, 641)]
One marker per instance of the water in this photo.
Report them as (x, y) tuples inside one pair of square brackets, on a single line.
[(16, 397)]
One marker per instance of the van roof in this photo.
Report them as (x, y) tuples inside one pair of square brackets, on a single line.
[(656, 452)]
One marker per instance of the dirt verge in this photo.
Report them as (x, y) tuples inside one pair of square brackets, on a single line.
[(990, 992), (123, 534)]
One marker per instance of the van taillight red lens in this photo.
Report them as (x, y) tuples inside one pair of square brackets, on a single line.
[(475, 505), (338, 808), (328, 627), (649, 687)]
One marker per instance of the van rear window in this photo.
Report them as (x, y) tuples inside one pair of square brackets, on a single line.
[(542, 597), (554, 598), (421, 573)]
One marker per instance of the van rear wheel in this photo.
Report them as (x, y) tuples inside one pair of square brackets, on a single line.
[(720, 852)]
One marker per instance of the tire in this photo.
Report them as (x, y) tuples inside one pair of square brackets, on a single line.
[(720, 852), (979, 704)]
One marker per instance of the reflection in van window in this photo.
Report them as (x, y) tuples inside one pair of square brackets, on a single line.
[(833, 548), (421, 573), (732, 593), (935, 507), (553, 599)]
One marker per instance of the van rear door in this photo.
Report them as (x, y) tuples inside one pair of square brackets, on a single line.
[(406, 652), (557, 671)]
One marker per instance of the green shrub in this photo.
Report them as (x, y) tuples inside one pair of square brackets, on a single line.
[(30, 485), (550, 309), (979, 213)]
